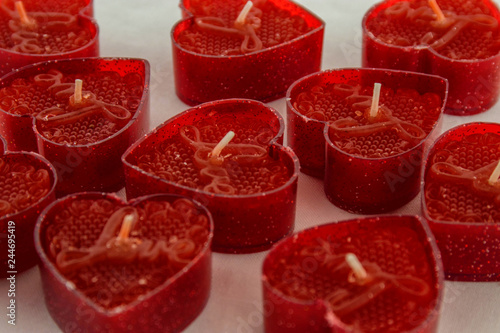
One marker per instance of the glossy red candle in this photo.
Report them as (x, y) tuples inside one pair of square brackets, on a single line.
[(157, 279), (27, 185), (309, 287), (250, 191), (463, 48), (371, 165), (462, 207), (59, 30), (278, 43), (83, 141)]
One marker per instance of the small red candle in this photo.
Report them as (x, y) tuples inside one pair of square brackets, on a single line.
[(224, 50), (108, 266), (249, 185), (372, 275), (35, 31), (27, 185), (461, 200), (373, 152), (455, 39), (83, 136)]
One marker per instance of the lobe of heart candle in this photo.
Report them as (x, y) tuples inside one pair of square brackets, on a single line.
[(337, 276), (117, 259), (458, 40), (462, 200), (227, 49)]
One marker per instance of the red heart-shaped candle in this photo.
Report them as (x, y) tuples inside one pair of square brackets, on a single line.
[(108, 266), (27, 185), (372, 162), (461, 200), (250, 187), (46, 30), (83, 139), (372, 275), (218, 53), (455, 39)]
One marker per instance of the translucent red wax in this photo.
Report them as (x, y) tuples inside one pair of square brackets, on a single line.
[(370, 165), (84, 141), (211, 65), (308, 286), (251, 193), (27, 185), (116, 292), (63, 29), (462, 208), (466, 50)]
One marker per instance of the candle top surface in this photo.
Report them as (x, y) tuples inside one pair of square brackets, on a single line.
[(49, 30), (404, 117), (22, 184), (468, 31), (109, 102), (457, 187), (244, 166), (399, 275), (84, 239), (214, 31)]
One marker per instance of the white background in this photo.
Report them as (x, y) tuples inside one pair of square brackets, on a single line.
[(133, 28)]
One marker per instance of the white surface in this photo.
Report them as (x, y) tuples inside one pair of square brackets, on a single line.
[(132, 28)]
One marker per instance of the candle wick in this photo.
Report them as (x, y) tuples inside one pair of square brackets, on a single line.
[(128, 220), (495, 175), (357, 268), (375, 100), (240, 20), (221, 145), (25, 19), (437, 10), (77, 97)]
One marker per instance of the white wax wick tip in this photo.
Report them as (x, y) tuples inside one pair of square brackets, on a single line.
[(375, 100), (437, 10), (78, 91), (495, 175), (222, 143), (22, 12), (126, 227), (240, 20), (356, 266)]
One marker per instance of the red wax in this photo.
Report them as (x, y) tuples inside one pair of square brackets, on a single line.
[(462, 207), (465, 48), (278, 43), (372, 165), (310, 287), (60, 30), (84, 141), (27, 185), (250, 190), (156, 279)]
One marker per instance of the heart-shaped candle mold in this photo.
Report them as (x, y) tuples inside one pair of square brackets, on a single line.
[(108, 266), (249, 186), (27, 185), (371, 275), (35, 31), (461, 200), (455, 39), (372, 161), (82, 127), (228, 49)]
